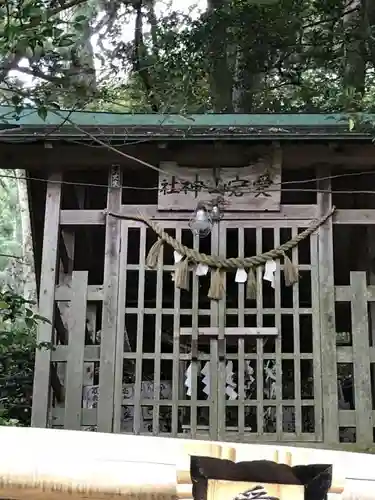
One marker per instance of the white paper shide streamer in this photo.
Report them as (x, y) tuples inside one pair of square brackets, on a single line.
[(269, 272), (188, 380), (230, 384), (206, 378), (201, 269), (241, 276)]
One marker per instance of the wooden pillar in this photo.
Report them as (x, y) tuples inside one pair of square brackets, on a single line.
[(327, 313), (361, 358), (42, 370), (110, 306)]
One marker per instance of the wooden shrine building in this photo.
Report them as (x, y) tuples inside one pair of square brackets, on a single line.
[(181, 341)]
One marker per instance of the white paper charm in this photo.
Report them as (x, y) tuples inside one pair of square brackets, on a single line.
[(230, 392), (230, 384), (241, 276), (269, 272), (206, 378), (201, 270), (177, 257), (188, 380)]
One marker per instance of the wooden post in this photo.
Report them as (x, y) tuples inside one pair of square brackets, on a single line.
[(75, 364), (370, 245), (361, 358), (110, 306), (42, 370), (327, 313)]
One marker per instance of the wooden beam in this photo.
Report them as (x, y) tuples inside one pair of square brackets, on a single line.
[(97, 217), (287, 213), (232, 332), (46, 302), (327, 313), (110, 305), (63, 293), (82, 217), (61, 352), (344, 293), (188, 153), (354, 216)]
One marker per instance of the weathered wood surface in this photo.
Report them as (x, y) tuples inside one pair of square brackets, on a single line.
[(42, 369), (327, 314), (110, 306), (289, 215), (296, 156), (317, 340), (250, 188), (75, 361), (235, 332), (361, 359)]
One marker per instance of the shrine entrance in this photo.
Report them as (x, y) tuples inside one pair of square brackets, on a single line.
[(233, 369)]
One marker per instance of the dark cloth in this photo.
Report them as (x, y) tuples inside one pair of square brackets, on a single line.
[(316, 478)]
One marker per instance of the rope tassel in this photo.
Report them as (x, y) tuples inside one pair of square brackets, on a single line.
[(153, 254), (217, 288), (181, 275), (251, 286), (290, 272)]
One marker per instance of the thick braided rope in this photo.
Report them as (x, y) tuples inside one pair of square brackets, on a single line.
[(216, 261)]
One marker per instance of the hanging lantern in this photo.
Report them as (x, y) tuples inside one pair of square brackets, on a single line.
[(201, 222)]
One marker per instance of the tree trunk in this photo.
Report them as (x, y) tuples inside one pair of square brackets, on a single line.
[(369, 24), (355, 61), (220, 77), (81, 67), (28, 269), (247, 81)]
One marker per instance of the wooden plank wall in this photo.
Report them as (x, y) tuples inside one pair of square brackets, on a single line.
[(69, 304)]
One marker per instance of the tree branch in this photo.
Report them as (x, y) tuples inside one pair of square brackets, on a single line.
[(330, 19)]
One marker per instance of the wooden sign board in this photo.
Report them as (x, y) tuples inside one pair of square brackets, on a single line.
[(254, 187)]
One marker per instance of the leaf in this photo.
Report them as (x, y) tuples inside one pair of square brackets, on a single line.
[(80, 19), (38, 317), (67, 40), (29, 53), (351, 124), (4, 305), (29, 322), (42, 112)]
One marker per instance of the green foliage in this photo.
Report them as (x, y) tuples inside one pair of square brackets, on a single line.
[(290, 55), (10, 224), (17, 350)]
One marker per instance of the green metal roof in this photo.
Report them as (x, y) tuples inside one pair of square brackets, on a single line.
[(202, 126)]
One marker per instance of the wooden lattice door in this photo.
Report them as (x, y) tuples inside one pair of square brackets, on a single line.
[(158, 342), (242, 386), (269, 376)]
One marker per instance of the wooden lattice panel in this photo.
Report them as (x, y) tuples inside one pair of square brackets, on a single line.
[(154, 315)]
